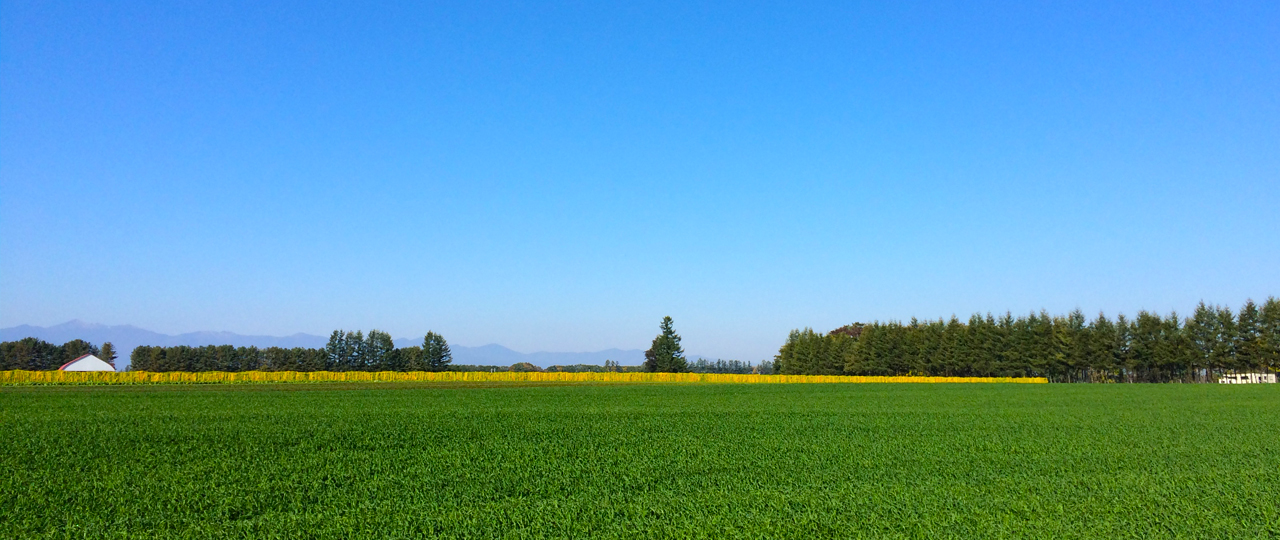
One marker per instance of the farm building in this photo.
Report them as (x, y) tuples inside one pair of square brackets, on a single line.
[(1248, 378), (87, 362)]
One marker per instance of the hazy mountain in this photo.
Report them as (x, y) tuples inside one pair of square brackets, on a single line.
[(127, 337)]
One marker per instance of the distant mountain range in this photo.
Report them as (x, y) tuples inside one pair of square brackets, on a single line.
[(126, 337)]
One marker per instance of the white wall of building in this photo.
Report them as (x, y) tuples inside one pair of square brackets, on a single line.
[(87, 363)]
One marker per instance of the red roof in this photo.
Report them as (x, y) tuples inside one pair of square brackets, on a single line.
[(83, 356)]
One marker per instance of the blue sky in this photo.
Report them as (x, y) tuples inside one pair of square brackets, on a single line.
[(559, 177)]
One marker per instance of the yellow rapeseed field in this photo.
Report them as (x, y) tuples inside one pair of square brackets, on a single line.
[(214, 377)]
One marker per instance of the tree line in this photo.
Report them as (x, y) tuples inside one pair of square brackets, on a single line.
[(702, 365), (345, 351), (38, 355), (1070, 348)]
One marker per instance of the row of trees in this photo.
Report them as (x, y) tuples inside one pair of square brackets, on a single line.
[(702, 365), (227, 358), (1147, 348), (346, 351), (37, 355), (352, 351), (609, 366)]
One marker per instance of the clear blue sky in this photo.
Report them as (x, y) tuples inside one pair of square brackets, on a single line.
[(559, 178)]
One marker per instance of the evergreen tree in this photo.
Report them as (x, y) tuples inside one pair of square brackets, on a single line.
[(1225, 346), (435, 352), (74, 349), (1074, 344), (1269, 328), (1044, 356), (409, 359), (809, 353), (665, 354), (223, 358), (140, 359), (980, 352), (1100, 348), (1020, 348), (155, 358), (1201, 329), (378, 349), (1124, 333), (1172, 351), (954, 347), (276, 359), (855, 362), (32, 354), (1006, 350), (108, 353), (356, 357), (829, 354), (1249, 340), (336, 351), (1144, 345)]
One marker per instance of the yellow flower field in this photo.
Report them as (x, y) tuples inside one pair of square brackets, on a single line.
[(216, 377)]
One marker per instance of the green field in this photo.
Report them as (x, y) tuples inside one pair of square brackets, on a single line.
[(652, 460)]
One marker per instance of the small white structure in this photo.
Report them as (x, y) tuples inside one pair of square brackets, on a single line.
[(1248, 378), (87, 362)]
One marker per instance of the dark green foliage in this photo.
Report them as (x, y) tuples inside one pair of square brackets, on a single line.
[(1211, 338), (814, 354), (108, 353), (641, 461), (1269, 329), (39, 355), (228, 358), (1148, 348), (408, 359), (609, 366), (354, 351), (702, 365), (665, 354), (295, 359), (76, 348), (336, 350), (1249, 343), (357, 359), (378, 349), (766, 367), (435, 352)]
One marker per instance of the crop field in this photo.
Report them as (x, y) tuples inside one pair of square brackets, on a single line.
[(514, 460), (19, 377)]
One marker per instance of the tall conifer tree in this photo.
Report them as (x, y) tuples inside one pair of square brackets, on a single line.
[(1249, 342), (435, 352), (336, 351), (665, 354), (1269, 328), (108, 353), (378, 349)]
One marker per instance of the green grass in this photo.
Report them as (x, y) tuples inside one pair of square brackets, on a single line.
[(698, 461)]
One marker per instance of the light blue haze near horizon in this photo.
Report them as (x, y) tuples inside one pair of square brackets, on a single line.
[(559, 177)]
